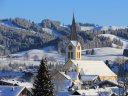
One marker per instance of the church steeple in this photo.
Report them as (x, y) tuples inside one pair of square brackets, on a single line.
[(73, 49), (73, 35)]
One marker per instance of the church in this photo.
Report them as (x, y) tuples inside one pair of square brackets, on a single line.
[(74, 61), (78, 72)]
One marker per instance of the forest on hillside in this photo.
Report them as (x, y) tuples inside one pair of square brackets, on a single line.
[(19, 34)]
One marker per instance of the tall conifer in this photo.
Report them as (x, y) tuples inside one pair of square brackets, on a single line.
[(43, 84)]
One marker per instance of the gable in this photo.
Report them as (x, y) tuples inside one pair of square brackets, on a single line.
[(61, 76), (24, 91), (69, 65), (76, 93)]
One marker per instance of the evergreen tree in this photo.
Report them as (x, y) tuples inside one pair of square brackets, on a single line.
[(43, 85), (92, 52)]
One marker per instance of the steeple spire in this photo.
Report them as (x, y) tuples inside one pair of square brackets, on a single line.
[(73, 35)]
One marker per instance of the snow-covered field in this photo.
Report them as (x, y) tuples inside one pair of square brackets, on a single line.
[(106, 53), (34, 56)]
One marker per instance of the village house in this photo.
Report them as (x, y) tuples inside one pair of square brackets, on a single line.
[(14, 91)]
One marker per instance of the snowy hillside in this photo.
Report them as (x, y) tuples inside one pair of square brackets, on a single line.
[(85, 28), (7, 22), (125, 41), (106, 53), (52, 32), (49, 52)]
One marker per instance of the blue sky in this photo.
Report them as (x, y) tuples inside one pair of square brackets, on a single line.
[(102, 12)]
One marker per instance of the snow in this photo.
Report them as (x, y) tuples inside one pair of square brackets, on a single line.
[(73, 75), (91, 67), (24, 84), (88, 77), (10, 90), (8, 23), (85, 28), (74, 43), (49, 31), (52, 32), (65, 75), (2, 46), (105, 28), (44, 52), (102, 91), (63, 93), (113, 27), (4, 73), (105, 53), (125, 41)]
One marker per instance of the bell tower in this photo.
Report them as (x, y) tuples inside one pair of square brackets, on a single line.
[(73, 49)]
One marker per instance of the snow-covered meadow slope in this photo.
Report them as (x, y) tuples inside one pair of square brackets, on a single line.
[(124, 41), (108, 53), (34, 56)]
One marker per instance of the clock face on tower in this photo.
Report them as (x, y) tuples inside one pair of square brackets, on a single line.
[(70, 47)]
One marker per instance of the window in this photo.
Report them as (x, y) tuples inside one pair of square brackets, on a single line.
[(78, 47), (71, 55), (79, 54), (68, 54)]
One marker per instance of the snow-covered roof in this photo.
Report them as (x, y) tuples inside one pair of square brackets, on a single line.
[(88, 92), (62, 85), (66, 76), (61, 76), (73, 75), (88, 77), (74, 43), (61, 81), (101, 84), (91, 67), (10, 90), (63, 93), (24, 84), (10, 73), (100, 91)]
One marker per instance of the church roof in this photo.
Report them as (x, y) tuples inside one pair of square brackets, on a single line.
[(91, 67), (74, 43)]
